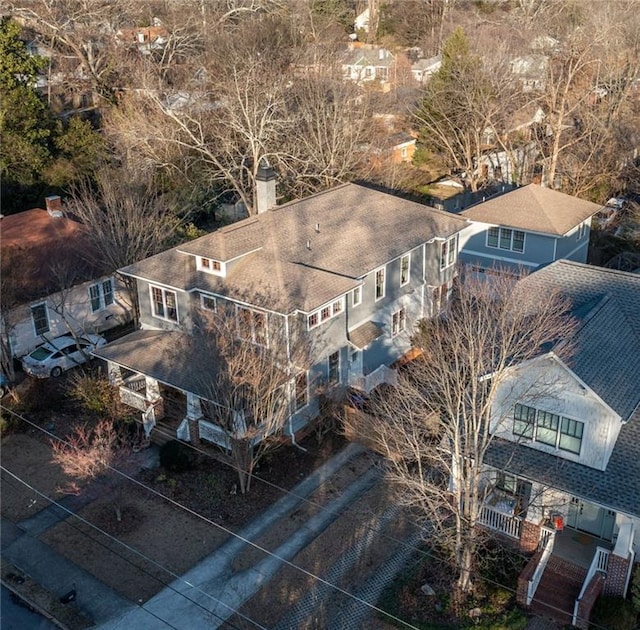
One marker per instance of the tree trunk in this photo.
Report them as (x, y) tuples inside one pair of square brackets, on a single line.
[(242, 455)]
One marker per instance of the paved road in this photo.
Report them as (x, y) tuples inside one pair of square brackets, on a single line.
[(14, 616)]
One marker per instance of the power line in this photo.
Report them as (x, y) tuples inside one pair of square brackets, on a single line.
[(421, 552), (138, 553), (230, 532)]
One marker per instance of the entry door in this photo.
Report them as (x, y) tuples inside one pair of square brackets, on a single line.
[(591, 518)]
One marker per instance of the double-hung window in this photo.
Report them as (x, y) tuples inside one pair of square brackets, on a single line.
[(208, 302), (524, 419), (101, 295), (356, 296), (325, 313), (449, 252), (40, 318), (547, 428), (571, 435), (334, 368), (380, 283), (398, 322), (252, 325), (505, 238), (164, 304), (302, 390), (405, 266)]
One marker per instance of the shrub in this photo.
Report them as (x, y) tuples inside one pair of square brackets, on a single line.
[(177, 456), (613, 613), (634, 590), (94, 393)]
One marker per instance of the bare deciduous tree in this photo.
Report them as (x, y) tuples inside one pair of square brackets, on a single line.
[(90, 453), (252, 366), (434, 428), (127, 220)]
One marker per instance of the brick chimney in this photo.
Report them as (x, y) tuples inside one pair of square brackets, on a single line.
[(265, 187), (54, 206)]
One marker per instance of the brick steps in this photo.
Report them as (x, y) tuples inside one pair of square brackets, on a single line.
[(558, 589)]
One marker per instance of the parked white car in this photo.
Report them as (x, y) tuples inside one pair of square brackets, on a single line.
[(60, 354)]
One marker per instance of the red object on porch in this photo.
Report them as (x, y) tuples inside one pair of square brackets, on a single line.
[(558, 521)]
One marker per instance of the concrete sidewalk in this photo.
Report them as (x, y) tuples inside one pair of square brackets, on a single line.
[(211, 592)]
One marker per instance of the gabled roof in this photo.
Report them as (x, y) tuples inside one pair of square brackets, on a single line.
[(536, 209), (607, 358), (304, 253), (42, 254)]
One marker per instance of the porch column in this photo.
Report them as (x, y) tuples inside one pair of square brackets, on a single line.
[(194, 414), (115, 374), (152, 389), (619, 561)]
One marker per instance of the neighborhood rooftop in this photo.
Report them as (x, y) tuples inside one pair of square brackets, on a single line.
[(534, 208), (306, 252), (606, 358)]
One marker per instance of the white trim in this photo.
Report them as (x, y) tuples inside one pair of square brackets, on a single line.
[(254, 338), (206, 296), (522, 263), (200, 266), (402, 284), (353, 299), (382, 269), (333, 312), (445, 264), (575, 249), (401, 314), (511, 240), (164, 303), (33, 321), (101, 294)]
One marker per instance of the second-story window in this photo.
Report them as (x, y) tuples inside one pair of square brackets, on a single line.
[(210, 265), (164, 304), (405, 265), (548, 428), (398, 322), (356, 296), (252, 325), (208, 302), (325, 313), (380, 283), (449, 252), (506, 238)]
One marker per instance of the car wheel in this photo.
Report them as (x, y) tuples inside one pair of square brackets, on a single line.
[(56, 371)]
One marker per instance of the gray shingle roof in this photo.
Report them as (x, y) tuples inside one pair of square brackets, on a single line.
[(607, 358), (306, 252), (534, 208), (365, 334)]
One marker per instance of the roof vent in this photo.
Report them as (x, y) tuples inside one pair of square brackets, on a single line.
[(318, 228), (308, 244), (54, 206)]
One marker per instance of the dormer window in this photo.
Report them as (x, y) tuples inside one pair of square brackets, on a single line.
[(209, 265)]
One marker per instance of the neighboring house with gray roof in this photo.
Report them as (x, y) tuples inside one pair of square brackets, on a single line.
[(363, 63), (352, 267), (526, 228), (566, 447)]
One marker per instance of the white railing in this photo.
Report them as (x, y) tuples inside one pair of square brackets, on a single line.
[(500, 522), (214, 433), (599, 562), (542, 565), (133, 399), (380, 375), (183, 432)]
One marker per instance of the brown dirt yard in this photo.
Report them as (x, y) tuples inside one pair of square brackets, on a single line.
[(156, 539)]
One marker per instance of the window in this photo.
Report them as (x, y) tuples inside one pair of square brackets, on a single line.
[(325, 313), (571, 435), (449, 252), (405, 262), (550, 428), (504, 238), (547, 428), (398, 322), (380, 284), (164, 304), (209, 265), (302, 390), (356, 296), (439, 299), (101, 295), (208, 302), (582, 231), (523, 421), (40, 318), (252, 325), (334, 368)]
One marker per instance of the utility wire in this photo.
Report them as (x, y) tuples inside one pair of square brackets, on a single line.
[(421, 552), (133, 550)]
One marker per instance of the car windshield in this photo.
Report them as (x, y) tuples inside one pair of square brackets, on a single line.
[(40, 354)]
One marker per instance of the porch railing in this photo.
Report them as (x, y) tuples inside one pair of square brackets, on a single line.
[(599, 562), (133, 399), (380, 375), (542, 565), (500, 521)]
